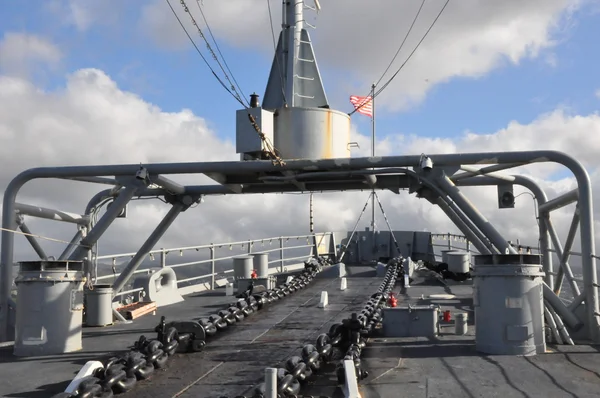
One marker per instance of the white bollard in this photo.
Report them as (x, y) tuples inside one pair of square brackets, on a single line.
[(351, 385), (324, 300), (271, 383), (343, 284), (460, 324), (229, 289)]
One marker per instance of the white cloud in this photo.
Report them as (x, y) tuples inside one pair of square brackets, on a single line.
[(21, 54), (92, 121), (83, 14), (470, 39)]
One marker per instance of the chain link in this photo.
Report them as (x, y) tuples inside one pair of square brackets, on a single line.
[(348, 337), (121, 373)]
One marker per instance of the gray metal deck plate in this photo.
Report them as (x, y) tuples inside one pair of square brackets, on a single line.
[(235, 361)]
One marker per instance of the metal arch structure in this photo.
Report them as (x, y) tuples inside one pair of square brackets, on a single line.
[(437, 182)]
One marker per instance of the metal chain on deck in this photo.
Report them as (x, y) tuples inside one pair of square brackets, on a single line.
[(348, 337), (357, 328), (121, 373)]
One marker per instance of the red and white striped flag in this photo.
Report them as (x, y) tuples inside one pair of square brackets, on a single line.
[(362, 105)]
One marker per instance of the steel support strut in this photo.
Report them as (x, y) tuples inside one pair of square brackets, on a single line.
[(72, 245), (561, 201), (51, 214), (148, 245), (564, 266), (469, 232), (567, 253), (102, 225), (30, 238), (478, 219)]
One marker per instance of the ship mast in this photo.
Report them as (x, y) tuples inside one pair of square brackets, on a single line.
[(295, 80), (295, 113)]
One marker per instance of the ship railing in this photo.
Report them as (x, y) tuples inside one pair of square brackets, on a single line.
[(213, 261), (521, 248), (453, 242), (566, 293)]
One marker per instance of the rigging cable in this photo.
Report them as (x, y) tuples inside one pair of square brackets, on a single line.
[(208, 46), (275, 50), (406, 61), (403, 41), (388, 224), (220, 53), (202, 56), (271, 151)]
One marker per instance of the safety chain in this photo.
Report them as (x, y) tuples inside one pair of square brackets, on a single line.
[(121, 373), (355, 329), (346, 337), (271, 151)]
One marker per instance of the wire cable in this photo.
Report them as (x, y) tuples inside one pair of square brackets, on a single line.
[(220, 53), (407, 59), (187, 10), (202, 56), (403, 41), (271, 152)]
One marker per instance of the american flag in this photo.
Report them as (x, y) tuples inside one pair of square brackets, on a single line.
[(362, 105)]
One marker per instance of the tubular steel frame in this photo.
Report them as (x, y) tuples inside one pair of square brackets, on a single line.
[(440, 186)]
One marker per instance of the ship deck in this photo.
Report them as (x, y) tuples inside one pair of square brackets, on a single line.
[(233, 362)]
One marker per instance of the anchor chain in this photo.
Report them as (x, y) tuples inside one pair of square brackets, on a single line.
[(121, 373), (348, 336), (357, 328)]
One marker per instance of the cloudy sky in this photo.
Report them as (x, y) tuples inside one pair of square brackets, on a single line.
[(90, 82)]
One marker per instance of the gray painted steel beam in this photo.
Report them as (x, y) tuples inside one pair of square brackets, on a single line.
[(51, 214), (168, 184), (570, 319), (478, 219), (462, 226), (483, 171), (577, 302), (560, 201), (71, 246), (32, 240), (567, 251), (95, 180), (256, 166), (477, 171), (102, 225), (148, 245), (564, 266)]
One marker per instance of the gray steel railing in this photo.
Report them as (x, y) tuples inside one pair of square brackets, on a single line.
[(297, 248)]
